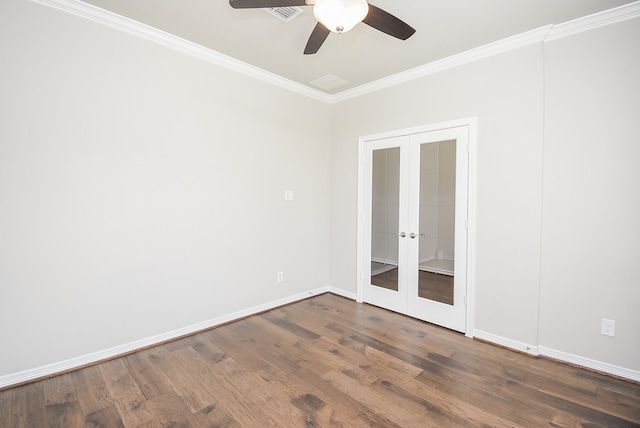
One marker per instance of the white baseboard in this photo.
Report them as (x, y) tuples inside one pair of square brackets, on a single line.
[(73, 363), (560, 356), (591, 364), (341, 292), (507, 343)]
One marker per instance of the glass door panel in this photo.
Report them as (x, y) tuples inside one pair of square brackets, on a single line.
[(413, 220), (385, 201), (437, 256), (436, 221)]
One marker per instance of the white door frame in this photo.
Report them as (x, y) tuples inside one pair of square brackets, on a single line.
[(471, 122)]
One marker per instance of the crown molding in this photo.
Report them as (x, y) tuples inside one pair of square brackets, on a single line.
[(600, 19), (155, 35), (540, 35), (491, 49)]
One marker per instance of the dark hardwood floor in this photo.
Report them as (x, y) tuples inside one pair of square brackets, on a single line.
[(325, 362)]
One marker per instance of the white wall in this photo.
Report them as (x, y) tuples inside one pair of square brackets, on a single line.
[(591, 221), (505, 92), (142, 190), (550, 263)]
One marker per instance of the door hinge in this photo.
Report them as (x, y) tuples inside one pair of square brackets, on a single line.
[(465, 300)]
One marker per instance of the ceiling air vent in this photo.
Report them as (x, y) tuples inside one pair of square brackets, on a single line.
[(328, 82), (284, 13)]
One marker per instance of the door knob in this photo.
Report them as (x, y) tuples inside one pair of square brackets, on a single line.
[(401, 234), (413, 235)]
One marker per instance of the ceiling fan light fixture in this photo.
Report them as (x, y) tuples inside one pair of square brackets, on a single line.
[(340, 16)]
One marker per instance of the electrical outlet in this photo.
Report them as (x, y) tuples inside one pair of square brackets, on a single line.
[(608, 327), (288, 195), (280, 277)]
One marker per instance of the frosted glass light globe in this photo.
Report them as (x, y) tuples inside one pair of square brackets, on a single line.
[(340, 16)]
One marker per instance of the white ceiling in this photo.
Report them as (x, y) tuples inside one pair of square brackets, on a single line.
[(363, 55)]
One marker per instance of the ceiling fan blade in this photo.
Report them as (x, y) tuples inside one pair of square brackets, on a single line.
[(387, 23), (316, 39), (260, 4)]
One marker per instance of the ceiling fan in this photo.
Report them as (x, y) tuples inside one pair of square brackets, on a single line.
[(337, 16)]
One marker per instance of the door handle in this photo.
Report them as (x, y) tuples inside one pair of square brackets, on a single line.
[(401, 234), (413, 235)]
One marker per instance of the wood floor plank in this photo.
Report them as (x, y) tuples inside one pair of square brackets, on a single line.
[(104, 417), (301, 382), (588, 415), (325, 362), (288, 344), (150, 381), (337, 350), (61, 404), (392, 374), (187, 374), (312, 399), (379, 403), (34, 405), (13, 408), (272, 403), (170, 411), (346, 411), (216, 416), (93, 394), (246, 396), (622, 405), (234, 347), (434, 409), (24, 406), (245, 333), (127, 396), (406, 331)]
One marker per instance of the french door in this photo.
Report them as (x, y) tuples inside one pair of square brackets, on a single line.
[(414, 231)]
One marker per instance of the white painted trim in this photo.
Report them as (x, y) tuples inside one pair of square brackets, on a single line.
[(73, 363), (467, 121), (340, 292), (559, 355), (360, 224), (507, 343), (163, 38), (495, 48), (543, 34), (472, 124), (600, 19), (472, 189), (591, 364)]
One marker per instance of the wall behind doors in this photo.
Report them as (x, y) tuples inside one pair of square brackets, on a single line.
[(509, 175), (591, 82)]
